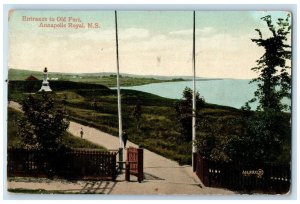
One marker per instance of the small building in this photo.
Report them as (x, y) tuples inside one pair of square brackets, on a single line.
[(31, 78)]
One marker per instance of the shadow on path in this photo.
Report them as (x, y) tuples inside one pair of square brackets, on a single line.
[(98, 187)]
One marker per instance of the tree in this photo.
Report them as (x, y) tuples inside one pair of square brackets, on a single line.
[(264, 132), (274, 81), (137, 114), (184, 112), (44, 123)]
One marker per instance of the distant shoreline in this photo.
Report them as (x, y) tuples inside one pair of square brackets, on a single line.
[(101, 74), (108, 79)]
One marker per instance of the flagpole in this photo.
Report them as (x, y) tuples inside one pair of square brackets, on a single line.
[(119, 95), (194, 96)]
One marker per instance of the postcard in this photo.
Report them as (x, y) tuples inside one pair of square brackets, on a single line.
[(149, 102)]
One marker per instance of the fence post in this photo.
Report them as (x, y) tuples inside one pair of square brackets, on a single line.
[(206, 176), (114, 171), (127, 171), (140, 164), (195, 161), (121, 159)]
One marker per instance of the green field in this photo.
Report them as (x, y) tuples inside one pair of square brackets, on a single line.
[(107, 79), (96, 106)]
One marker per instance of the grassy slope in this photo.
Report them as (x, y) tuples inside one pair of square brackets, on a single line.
[(159, 127), (16, 142), (109, 81)]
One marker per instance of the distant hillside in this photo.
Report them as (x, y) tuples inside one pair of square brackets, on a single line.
[(17, 74), (108, 79), (105, 78)]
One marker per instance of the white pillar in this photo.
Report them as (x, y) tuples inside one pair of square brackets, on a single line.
[(194, 94), (118, 93)]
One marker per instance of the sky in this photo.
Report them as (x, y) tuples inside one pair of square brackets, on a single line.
[(150, 42)]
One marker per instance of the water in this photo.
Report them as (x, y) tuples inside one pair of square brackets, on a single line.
[(227, 92)]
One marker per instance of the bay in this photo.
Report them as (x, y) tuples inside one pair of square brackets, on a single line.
[(227, 92)]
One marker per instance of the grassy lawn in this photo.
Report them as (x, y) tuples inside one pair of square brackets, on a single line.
[(14, 141)]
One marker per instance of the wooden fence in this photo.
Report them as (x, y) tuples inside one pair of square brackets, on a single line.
[(69, 164), (249, 178)]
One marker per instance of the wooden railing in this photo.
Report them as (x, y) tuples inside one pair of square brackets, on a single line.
[(249, 178), (69, 164)]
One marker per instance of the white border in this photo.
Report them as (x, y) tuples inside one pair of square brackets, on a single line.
[(160, 5)]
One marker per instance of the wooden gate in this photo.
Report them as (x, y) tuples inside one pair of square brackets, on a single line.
[(135, 163)]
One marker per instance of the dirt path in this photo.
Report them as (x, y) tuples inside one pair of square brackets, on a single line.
[(162, 176)]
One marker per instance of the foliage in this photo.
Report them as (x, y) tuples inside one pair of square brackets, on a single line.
[(247, 137), (137, 114), (274, 81), (184, 113), (262, 138), (211, 141), (13, 140), (265, 133), (43, 124)]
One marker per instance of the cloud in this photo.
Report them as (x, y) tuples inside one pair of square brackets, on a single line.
[(203, 31), (218, 55), (131, 33)]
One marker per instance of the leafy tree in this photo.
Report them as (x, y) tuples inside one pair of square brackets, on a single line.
[(44, 123), (264, 132), (274, 81), (184, 112)]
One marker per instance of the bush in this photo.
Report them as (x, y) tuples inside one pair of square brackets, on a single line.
[(43, 124), (184, 110)]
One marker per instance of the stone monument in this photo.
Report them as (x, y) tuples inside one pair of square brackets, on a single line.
[(45, 83)]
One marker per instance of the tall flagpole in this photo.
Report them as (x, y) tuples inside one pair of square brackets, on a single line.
[(194, 96), (119, 95)]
